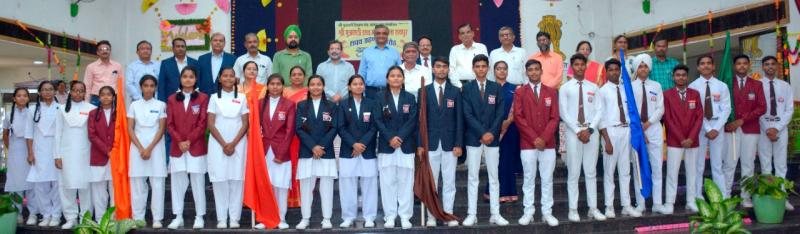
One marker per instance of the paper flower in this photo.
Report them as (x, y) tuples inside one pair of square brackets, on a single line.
[(262, 40), (224, 5), (146, 4), (165, 25), (186, 8), (205, 27)]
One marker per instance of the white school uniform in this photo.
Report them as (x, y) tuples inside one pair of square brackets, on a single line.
[(188, 170), (773, 154), (308, 171), (280, 174), (146, 115), (358, 172), (72, 146), (721, 108), (43, 174), (99, 181), (580, 155), (17, 164), (620, 135), (227, 172), (654, 134)]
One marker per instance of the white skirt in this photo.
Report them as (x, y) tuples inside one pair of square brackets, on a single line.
[(358, 167), (187, 163), (396, 159), (280, 175), (308, 167), (100, 173)]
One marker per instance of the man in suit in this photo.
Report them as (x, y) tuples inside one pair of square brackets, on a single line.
[(169, 76), (211, 63), (445, 134), (483, 111), (536, 117), (425, 57), (748, 98)]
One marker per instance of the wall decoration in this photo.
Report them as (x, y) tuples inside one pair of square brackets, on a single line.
[(146, 4), (552, 25), (224, 5), (194, 31), (357, 36), (185, 8)]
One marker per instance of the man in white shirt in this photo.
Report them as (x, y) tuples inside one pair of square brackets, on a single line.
[(461, 56), (716, 108), (412, 71), (263, 61), (650, 102), (336, 72), (581, 111), (512, 55), (137, 69), (774, 136)]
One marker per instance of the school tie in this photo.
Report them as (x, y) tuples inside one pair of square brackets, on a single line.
[(707, 104), (441, 96), (619, 104), (535, 92), (683, 95), (426, 61), (773, 104), (581, 118), (482, 91), (643, 114), (741, 83)]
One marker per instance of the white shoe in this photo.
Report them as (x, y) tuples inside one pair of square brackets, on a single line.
[(550, 220), (45, 222), (31, 220), (157, 224), (499, 220), (302, 225), (198, 223), (469, 221), (282, 225), (452, 223), (54, 222), (369, 224), (610, 212), (692, 207), (658, 208), (525, 219), (668, 209), (346, 223), (222, 225), (596, 215), (630, 211), (68, 225), (388, 224), (789, 206), (747, 203), (175, 224), (405, 224), (234, 224), (574, 216), (261, 226), (326, 224), (641, 208), (431, 222)]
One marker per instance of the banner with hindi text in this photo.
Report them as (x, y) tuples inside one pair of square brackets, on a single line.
[(357, 35)]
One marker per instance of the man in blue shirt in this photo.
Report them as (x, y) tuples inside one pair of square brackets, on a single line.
[(376, 60), (137, 69), (336, 72)]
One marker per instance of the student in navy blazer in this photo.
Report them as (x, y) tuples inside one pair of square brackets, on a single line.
[(397, 123), (445, 118), (483, 111), (208, 78), (316, 125), (169, 76), (357, 157)]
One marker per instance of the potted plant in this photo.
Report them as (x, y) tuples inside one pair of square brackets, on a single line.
[(9, 212), (716, 215), (769, 196), (107, 225)]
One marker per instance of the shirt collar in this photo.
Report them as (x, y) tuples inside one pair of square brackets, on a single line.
[(217, 55), (258, 55), (139, 61)]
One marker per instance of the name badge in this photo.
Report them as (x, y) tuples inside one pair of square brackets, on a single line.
[(751, 96), (282, 115), (154, 111), (196, 109), (492, 99), (652, 98), (653, 93), (236, 101), (780, 99), (326, 117), (83, 113), (548, 101), (716, 97), (590, 97), (366, 117), (692, 104), (450, 103), (406, 108)]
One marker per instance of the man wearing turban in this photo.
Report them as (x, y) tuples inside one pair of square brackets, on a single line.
[(284, 60)]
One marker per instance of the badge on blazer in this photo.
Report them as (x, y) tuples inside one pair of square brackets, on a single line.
[(281, 115), (751, 96), (450, 103), (326, 117), (590, 99), (83, 113), (491, 99), (366, 117), (406, 108), (692, 104), (716, 96), (548, 101), (196, 109)]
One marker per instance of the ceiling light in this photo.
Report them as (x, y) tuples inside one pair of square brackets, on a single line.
[(37, 62)]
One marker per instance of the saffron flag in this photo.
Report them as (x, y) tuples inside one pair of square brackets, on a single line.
[(257, 186), (119, 157), (637, 133)]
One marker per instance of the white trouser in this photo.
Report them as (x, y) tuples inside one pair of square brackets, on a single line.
[(71, 205), (492, 155), (139, 191), (179, 182), (545, 162), (47, 199), (655, 156), (101, 192), (325, 194), (619, 161), (397, 192), (228, 200), (745, 148), (773, 154), (348, 197), (716, 155), (584, 156), (444, 162), (674, 157), (281, 196), (29, 195)]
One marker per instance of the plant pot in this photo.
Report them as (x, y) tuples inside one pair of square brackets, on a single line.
[(769, 209), (8, 223)]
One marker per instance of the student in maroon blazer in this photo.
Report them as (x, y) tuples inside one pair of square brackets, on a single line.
[(101, 135), (186, 124), (683, 119), (536, 116), (749, 106), (277, 128)]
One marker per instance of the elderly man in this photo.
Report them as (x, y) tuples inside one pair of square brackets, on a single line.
[(336, 72), (412, 71), (212, 62), (376, 61), (284, 60), (461, 56), (137, 69), (512, 55), (264, 62)]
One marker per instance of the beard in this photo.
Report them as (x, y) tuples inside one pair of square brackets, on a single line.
[(293, 45), (543, 48), (335, 56)]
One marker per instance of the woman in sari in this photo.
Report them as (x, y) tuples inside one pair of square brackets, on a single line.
[(296, 92)]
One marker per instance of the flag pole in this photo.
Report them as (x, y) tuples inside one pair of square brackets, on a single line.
[(422, 204), (252, 219)]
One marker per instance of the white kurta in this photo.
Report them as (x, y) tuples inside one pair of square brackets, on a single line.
[(17, 163), (228, 113), (72, 145), (146, 115), (43, 135)]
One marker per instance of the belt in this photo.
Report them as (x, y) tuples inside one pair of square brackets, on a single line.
[(772, 119), (624, 125), (586, 125)]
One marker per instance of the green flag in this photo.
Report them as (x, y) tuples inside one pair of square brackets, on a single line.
[(726, 72)]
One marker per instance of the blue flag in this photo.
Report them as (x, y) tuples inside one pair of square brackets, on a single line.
[(637, 133)]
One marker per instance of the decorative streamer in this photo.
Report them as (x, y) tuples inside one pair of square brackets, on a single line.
[(683, 29), (653, 41), (77, 60), (644, 38), (49, 58), (711, 33)]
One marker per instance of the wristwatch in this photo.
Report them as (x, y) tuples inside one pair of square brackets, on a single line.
[(591, 130)]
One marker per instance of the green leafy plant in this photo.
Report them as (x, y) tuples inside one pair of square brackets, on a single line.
[(106, 226), (717, 215), (8, 202), (768, 185)]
